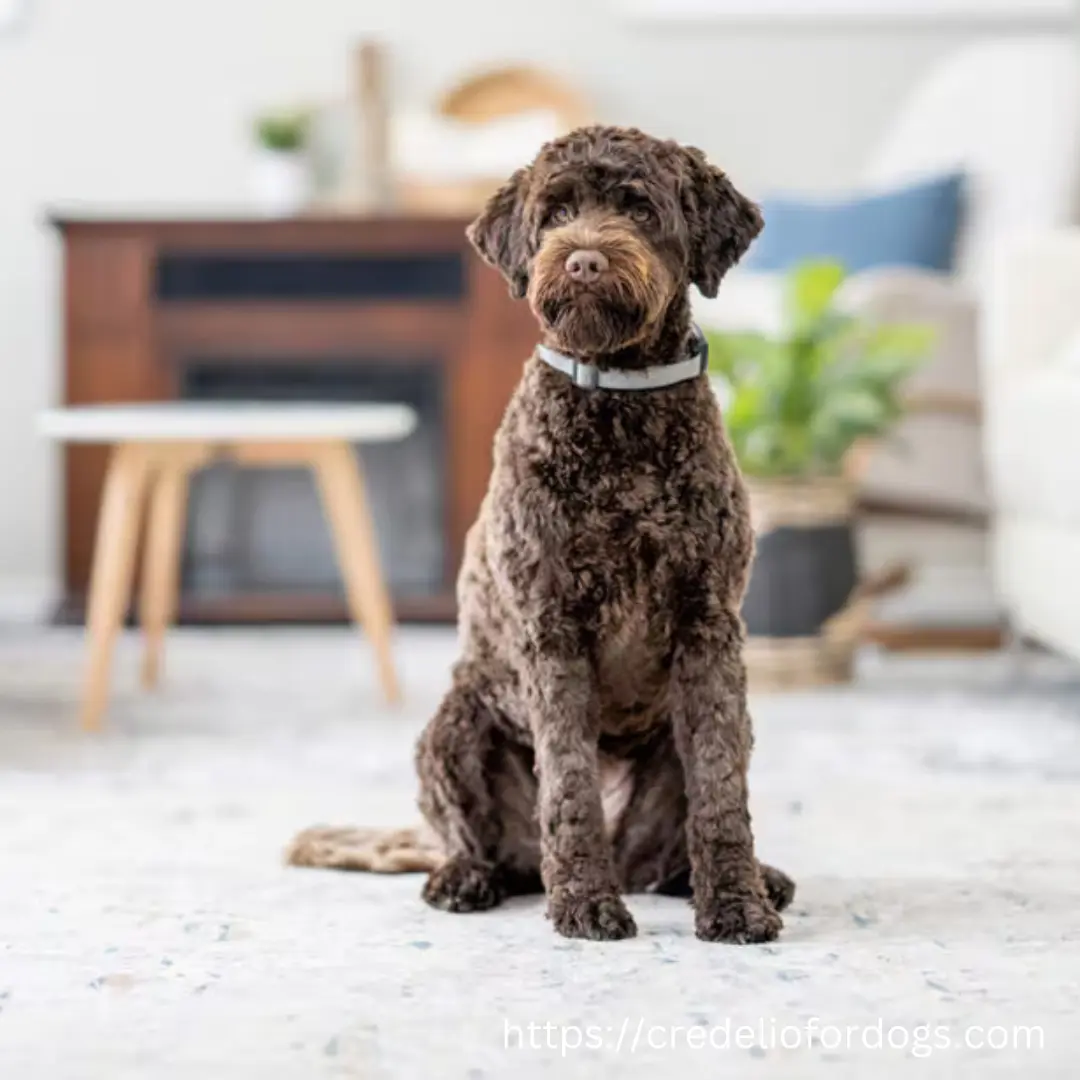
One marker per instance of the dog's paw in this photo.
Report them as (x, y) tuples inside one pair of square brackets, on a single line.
[(738, 919), (598, 918), (463, 885), (778, 886)]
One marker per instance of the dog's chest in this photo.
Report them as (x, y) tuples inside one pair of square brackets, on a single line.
[(631, 538), (631, 656)]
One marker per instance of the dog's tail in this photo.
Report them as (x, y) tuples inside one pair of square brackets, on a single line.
[(374, 851)]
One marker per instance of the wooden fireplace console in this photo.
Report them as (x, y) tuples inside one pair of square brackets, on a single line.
[(142, 296)]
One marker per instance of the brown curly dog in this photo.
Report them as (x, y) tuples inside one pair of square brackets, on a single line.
[(602, 656), (595, 740)]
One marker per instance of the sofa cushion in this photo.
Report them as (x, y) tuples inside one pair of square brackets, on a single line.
[(1034, 447), (910, 226)]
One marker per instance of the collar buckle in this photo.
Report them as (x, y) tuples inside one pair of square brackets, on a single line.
[(587, 376)]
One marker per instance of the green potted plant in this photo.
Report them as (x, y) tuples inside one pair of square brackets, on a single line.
[(797, 407), (281, 179)]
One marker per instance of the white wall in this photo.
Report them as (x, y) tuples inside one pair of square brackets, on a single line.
[(146, 102)]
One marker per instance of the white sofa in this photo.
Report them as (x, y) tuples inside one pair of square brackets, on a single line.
[(1032, 432), (1006, 111)]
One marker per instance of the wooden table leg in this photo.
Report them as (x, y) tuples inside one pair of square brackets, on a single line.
[(111, 577), (341, 483), (161, 565)]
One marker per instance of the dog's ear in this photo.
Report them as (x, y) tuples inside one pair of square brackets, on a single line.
[(722, 222), (498, 234)]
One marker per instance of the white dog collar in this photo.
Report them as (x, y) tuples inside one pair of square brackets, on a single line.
[(590, 377)]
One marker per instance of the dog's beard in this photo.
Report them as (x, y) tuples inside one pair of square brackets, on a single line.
[(591, 324)]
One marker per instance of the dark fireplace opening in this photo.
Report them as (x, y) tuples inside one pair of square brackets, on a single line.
[(262, 531)]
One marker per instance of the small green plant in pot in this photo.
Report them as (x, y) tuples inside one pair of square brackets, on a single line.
[(795, 406), (285, 132), (281, 178)]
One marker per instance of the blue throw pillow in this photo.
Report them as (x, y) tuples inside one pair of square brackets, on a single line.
[(913, 226)]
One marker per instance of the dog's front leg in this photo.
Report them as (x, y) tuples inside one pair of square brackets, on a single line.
[(576, 864), (714, 738)]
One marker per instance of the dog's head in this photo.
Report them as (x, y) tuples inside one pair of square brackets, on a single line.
[(606, 228)]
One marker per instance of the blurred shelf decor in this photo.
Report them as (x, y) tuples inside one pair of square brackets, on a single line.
[(446, 158), (481, 130)]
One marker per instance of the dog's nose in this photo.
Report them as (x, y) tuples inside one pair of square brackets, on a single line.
[(586, 265)]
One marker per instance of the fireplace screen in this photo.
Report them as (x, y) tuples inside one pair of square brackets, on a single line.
[(262, 530)]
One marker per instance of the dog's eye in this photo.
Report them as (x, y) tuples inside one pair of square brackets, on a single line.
[(641, 214), (560, 215)]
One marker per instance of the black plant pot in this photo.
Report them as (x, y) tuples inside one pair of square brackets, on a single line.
[(804, 569)]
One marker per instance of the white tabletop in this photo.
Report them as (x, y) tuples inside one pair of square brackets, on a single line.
[(247, 421)]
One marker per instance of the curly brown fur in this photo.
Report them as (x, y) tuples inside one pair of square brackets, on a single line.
[(602, 582)]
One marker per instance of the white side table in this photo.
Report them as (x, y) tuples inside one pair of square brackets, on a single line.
[(155, 450)]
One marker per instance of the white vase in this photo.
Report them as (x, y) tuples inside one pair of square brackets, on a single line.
[(281, 182)]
